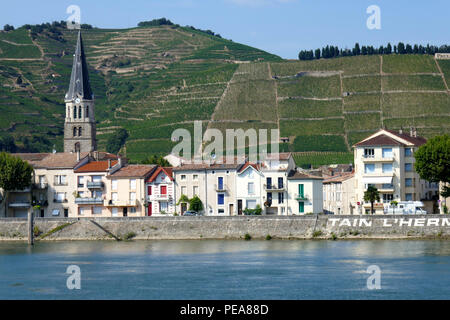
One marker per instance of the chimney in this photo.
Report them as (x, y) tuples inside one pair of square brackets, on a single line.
[(120, 162), (401, 130), (78, 155), (415, 133), (411, 132), (109, 163)]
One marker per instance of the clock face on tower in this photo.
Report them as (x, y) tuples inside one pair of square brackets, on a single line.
[(77, 100)]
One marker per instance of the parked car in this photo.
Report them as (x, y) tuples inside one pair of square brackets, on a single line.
[(190, 213), (406, 207)]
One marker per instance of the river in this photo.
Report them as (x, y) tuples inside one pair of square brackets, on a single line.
[(226, 269)]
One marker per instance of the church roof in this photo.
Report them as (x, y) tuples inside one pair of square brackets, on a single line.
[(79, 86)]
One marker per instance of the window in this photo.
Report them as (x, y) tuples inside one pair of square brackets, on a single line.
[(194, 177), (387, 186), (251, 188), (75, 112), (387, 167), (80, 181), (301, 190), (280, 183), (269, 196), (408, 182), (114, 184), (74, 131), (115, 212), (149, 190), (114, 196), (409, 196), (408, 167), (60, 180), (301, 207), (96, 178), (163, 207), (133, 210), (387, 198), (369, 168), (132, 196), (133, 184), (269, 183), (80, 132), (60, 197), (221, 211), (79, 112), (220, 183), (97, 194), (183, 177), (369, 153), (280, 197), (387, 153), (87, 112), (97, 210), (251, 204), (163, 190), (55, 212), (184, 190), (82, 211), (195, 191), (408, 152), (220, 199)]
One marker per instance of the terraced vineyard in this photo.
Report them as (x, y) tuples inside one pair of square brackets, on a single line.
[(156, 79)]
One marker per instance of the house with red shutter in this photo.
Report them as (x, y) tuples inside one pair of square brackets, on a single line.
[(160, 192)]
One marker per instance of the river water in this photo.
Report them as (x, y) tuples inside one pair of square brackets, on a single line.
[(226, 269)]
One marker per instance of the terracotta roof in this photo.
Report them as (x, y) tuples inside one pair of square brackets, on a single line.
[(296, 175), (339, 178), (381, 140), (31, 158), (96, 166), (417, 141), (166, 170), (247, 164), (61, 160), (134, 170)]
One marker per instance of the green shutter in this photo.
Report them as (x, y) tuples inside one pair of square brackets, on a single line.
[(300, 190), (301, 207)]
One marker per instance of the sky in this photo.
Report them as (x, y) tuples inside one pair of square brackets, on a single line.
[(281, 27)]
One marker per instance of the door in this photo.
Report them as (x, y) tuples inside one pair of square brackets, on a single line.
[(301, 207), (42, 213), (240, 207), (280, 183), (231, 209), (301, 190), (125, 212), (149, 209), (183, 208), (66, 213)]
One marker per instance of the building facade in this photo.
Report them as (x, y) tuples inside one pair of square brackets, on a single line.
[(160, 192), (304, 194), (339, 195)]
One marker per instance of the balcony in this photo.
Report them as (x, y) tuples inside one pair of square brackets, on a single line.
[(19, 204), (20, 191), (40, 186), (159, 197), (372, 159), (95, 185), (122, 203), (220, 187), (270, 187), (89, 201), (41, 203), (60, 200), (301, 197)]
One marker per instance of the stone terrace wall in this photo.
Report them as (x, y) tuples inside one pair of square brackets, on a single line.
[(292, 227)]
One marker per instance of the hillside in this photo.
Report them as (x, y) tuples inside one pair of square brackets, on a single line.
[(151, 80)]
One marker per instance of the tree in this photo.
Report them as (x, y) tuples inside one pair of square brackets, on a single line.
[(7, 144), (317, 54), (116, 141), (195, 204), (371, 195), (15, 174), (7, 28), (433, 161), (356, 50), (158, 160)]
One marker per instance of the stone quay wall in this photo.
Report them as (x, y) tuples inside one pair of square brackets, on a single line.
[(277, 227)]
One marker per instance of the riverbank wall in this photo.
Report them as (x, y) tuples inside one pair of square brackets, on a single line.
[(261, 227)]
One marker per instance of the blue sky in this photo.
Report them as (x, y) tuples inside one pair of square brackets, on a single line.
[(282, 27)]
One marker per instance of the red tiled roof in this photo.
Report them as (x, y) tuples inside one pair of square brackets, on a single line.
[(166, 170), (96, 166), (247, 164), (417, 141), (381, 140), (134, 171)]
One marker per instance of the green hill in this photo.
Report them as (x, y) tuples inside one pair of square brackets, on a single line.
[(151, 80)]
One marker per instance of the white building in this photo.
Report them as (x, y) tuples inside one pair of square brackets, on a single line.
[(160, 194), (304, 193), (249, 185)]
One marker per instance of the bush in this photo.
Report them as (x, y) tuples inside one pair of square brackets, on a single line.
[(129, 235), (333, 236), (317, 233), (253, 212), (36, 231), (268, 237), (247, 237)]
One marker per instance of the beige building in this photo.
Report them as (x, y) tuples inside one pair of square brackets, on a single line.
[(339, 194), (386, 160)]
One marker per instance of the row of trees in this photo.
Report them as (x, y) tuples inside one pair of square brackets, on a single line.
[(167, 22), (401, 48), (432, 164)]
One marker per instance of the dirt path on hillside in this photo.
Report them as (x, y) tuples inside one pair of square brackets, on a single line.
[(442, 75)]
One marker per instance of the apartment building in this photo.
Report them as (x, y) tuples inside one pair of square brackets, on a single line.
[(160, 192), (304, 193), (339, 194), (386, 160), (249, 184), (126, 195)]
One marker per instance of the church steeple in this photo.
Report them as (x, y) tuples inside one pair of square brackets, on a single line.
[(79, 126), (79, 80)]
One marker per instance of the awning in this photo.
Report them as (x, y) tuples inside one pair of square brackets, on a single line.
[(377, 180)]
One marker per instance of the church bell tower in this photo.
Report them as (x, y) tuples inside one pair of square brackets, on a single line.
[(79, 126)]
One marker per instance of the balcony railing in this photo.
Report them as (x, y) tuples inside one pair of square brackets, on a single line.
[(367, 158), (19, 204), (221, 187), (40, 186), (95, 185), (301, 197), (273, 187), (60, 200), (159, 197), (88, 201), (122, 203)]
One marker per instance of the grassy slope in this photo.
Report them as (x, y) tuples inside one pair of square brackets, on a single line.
[(154, 80)]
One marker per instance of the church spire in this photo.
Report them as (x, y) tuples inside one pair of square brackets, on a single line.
[(79, 80)]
